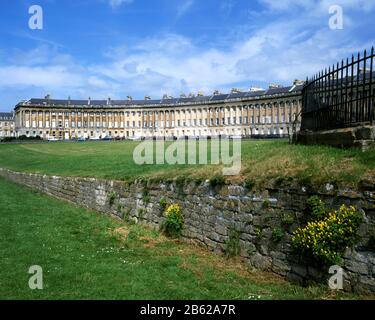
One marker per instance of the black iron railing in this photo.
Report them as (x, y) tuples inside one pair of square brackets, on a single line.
[(342, 96)]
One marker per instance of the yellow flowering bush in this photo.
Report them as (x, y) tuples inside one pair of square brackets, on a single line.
[(327, 238), (174, 220)]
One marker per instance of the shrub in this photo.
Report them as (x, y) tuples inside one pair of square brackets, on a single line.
[(316, 207), (233, 243), (216, 181), (258, 232), (146, 196), (126, 215), (180, 182), (277, 235), (266, 204), (141, 213), (163, 203), (7, 139), (111, 198), (287, 219), (327, 239), (174, 221), (249, 184)]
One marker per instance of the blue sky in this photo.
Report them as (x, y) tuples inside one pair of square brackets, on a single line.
[(115, 48)]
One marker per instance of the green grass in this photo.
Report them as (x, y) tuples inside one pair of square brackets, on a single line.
[(85, 255), (261, 161)]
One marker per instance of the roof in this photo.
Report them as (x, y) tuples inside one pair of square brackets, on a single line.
[(165, 102), (6, 116)]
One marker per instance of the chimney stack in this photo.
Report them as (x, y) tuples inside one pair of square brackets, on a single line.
[(298, 82), (255, 89), (275, 86), (235, 90)]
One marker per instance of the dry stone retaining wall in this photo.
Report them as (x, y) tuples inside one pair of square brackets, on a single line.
[(226, 214)]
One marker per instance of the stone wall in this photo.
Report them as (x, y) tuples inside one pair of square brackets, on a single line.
[(362, 137), (216, 216)]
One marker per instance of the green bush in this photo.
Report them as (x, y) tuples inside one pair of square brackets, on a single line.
[(233, 243), (258, 232), (180, 182), (287, 219), (316, 207), (217, 181), (21, 138), (141, 213), (7, 139), (163, 203), (277, 234), (325, 240), (266, 204), (146, 196), (126, 215), (174, 221), (111, 198), (249, 184)]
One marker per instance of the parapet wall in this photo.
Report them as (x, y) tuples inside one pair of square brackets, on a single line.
[(362, 137), (212, 214)]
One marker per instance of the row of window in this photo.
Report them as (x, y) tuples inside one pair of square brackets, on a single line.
[(139, 113), (6, 124), (178, 133), (167, 124)]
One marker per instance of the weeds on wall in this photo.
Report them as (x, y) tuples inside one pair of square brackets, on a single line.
[(111, 198), (163, 203), (232, 245), (277, 234), (316, 207), (328, 234), (217, 181), (174, 221), (146, 196)]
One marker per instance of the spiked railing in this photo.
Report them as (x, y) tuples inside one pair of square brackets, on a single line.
[(340, 97)]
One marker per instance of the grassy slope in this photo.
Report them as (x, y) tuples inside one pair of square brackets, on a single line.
[(261, 160), (88, 256)]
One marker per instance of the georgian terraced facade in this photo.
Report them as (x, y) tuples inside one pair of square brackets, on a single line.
[(6, 125), (254, 113)]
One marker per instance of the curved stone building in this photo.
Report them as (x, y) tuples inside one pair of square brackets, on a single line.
[(6, 125), (255, 113)]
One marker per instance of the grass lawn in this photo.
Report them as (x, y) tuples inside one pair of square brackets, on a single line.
[(261, 161), (85, 255)]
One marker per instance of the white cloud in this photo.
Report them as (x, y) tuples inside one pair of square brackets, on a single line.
[(318, 6), (117, 3), (227, 5), (278, 52), (184, 7), (288, 47), (50, 76)]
